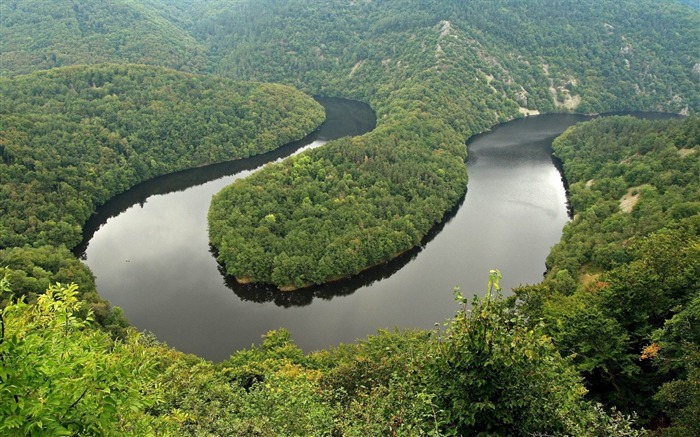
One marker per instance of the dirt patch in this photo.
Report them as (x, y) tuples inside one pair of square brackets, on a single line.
[(571, 102), (588, 279), (629, 200), (354, 68), (244, 280), (528, 112), (438, 50), (445, 28), (685, 152)]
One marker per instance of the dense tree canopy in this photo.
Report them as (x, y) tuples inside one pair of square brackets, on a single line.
[(56, 377), (71, 138), (626, 177), (627, 270), (487, 373), (435, 73), (32, 270), (38, 35), (619, 304), (586, 55)]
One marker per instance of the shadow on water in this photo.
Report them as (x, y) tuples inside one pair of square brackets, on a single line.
[(179, 181), (559, 165), (262, 293), (343, 118), (509, 219), (568, 120)]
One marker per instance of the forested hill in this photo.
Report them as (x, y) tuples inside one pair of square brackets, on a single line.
[(70, 138), (436, 73), (611, 55), (619, 306), (691, 3), (539, 54), (37, 35), (622, 295)]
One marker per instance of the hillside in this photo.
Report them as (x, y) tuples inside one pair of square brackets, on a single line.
[(628, 266), (71, 138), (435, 74), (38, 35), (615, 320), (589, 56)]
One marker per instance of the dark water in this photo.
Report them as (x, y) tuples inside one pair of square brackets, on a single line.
[(150, 252)]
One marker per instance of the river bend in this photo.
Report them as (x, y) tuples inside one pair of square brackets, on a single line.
[(150, 253)]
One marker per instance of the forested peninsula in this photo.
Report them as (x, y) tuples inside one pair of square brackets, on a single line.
[(436, 74), (607, 344), (75, 136)]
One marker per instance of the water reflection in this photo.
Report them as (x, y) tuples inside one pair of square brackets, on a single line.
[(262, 293), (343, 118), (512, 214), (173, 286)]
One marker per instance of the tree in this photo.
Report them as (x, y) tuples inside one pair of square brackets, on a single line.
[(495, 374), (60, 377)]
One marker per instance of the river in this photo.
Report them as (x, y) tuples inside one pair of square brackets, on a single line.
[(150, 253)]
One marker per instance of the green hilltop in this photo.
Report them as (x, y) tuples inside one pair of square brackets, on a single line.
[(38, 35), (614, 322), (436, 74), (72, 137)]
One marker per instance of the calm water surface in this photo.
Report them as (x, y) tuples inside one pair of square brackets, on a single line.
[(150, 252)]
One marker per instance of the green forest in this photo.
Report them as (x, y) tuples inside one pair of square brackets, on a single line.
[(73, 137), (450, 72), (621, 293), (98, 96)]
